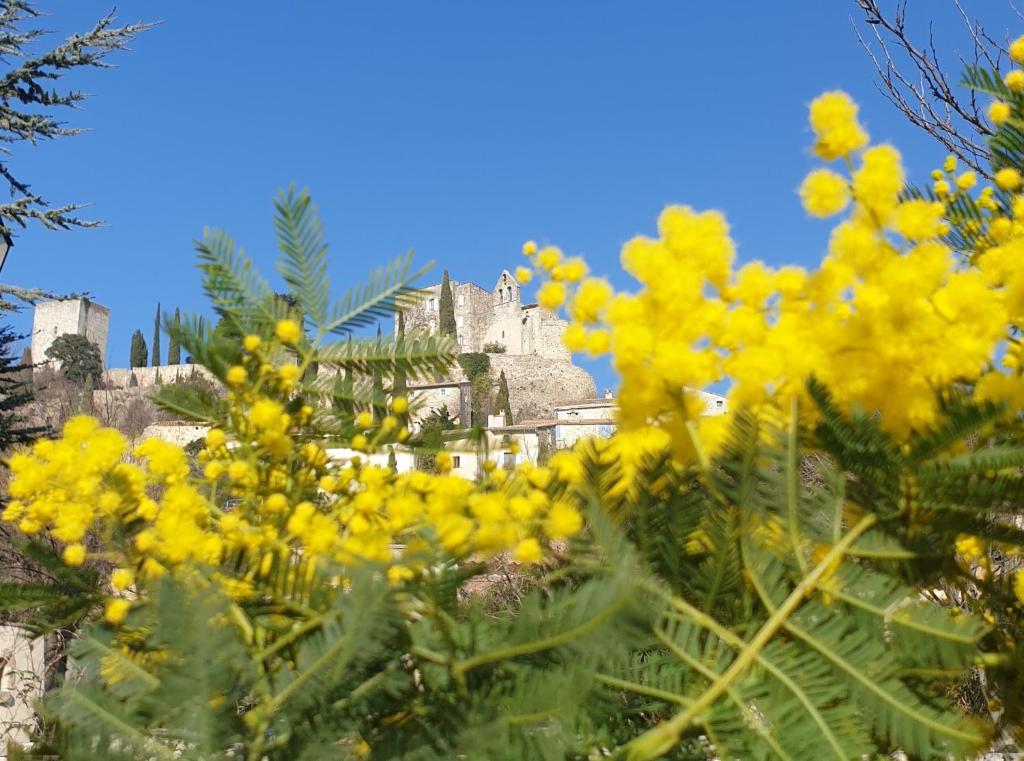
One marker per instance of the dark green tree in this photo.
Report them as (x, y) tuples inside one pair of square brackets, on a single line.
[(156, 337), (446, 310), (400, 384), (477, 367), (174, 345), (78, 357), (139, 356), (15, 393), (32, 110), (502, 403), (379, 400), (392, 460), (344, 388)]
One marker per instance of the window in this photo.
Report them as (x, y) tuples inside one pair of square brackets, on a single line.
[(460, 341), (462, 299), (510, 459), (444, 392), (432, 305), (719, 403), (456, 461), (459, 320), (510, 294), (503, 334), (501, 296)]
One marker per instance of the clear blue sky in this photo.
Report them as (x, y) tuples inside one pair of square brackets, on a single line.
[(457, 129)]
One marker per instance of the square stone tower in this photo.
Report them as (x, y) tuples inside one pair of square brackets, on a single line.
[(76, 316)]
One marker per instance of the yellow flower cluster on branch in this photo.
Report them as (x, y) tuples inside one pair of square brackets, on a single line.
[(891, 316), (269, 495)]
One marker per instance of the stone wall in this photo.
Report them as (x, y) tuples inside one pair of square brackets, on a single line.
[(146, 377), (537, 384), (548, 342), (181, 433)]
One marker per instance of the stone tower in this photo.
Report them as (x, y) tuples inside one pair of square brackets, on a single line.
[(76, 316)]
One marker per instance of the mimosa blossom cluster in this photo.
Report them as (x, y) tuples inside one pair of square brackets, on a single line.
[(891, 317), (270, 500)]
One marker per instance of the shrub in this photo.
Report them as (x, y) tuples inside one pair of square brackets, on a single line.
[(494, 347), (695, 595)]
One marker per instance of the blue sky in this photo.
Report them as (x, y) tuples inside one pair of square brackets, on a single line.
[(456, 129)]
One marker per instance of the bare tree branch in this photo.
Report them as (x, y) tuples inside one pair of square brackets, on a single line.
[(911, 77)]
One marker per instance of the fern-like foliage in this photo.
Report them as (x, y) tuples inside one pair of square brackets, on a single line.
[(792, 622), (331, 349), (736, 609)]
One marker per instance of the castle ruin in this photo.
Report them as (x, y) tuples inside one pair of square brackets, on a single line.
[(522, 340)]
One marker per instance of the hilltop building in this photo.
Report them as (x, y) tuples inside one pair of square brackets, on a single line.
[(494, 318), (522, 340), (81, 317)]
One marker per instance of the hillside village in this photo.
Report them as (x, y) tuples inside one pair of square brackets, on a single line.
[(553, 401), (386, 521)]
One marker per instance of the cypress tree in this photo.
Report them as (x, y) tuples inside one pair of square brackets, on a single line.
[(174, 345), (400, 385), (502, 404), (343, 387), (446, 310), (156, 337), (85, 404), (379, 401), (139, 356), (26, 365)]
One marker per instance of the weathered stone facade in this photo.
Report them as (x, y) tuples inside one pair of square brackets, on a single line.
[(497, 316), (180, 432), (52, 319), (538, 368), (537, 383), (452, 395)]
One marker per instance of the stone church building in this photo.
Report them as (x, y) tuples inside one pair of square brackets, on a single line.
[(495, 317), (523, 340)]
